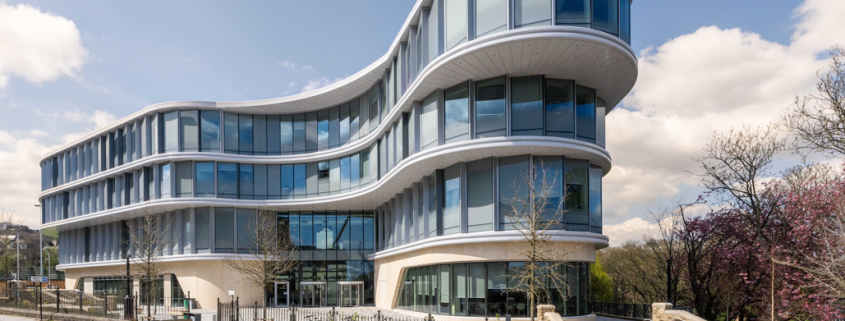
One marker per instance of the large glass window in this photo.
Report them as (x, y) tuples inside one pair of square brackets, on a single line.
[(452, 200), (548, 174), (230, 133), (246, 227), (224, 230), (260, 181), (513, 186), (625, 20), (491, 16), (205, 179), (334, 127), (287, 186), (245, 134), (428, 122), (459, 289), (227, 180), (210, 130), (605, 15), (274, 181), (456, 22), (298, 133), (527, 106), (576, 176), (573, 12), (433, 208), (344, 124), (273, 135), (476, 288), (189, 130), (286, 134), (480, 195), (354, 121), (164, 181), (203, 228), (323, 129), (311, 131), (457, 113), (246, 181), (299, 180), (530, 13), (443, 302), (490, 118), (374, 108), (560, 108), (184, 179), (585, 113), (259, 135), (171, 132), (595, 198)]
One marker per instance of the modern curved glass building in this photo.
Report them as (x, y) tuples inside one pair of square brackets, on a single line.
[(391, 182)]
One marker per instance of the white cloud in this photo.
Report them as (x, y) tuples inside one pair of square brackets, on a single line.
[(710, 80), (98, 118), (319, 83), (21, 175), (37, 46), (294, 66), (630, 230)]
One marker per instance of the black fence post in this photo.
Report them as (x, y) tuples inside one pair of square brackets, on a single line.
[(58, 299), (218, 309), (79, 297)]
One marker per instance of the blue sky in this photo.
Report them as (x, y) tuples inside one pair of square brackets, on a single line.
[(130, 55)]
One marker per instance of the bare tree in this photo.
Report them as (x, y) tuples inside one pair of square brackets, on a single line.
[(735, 169), (268, 254), (818, 120), (736, 166), (148, 238), (535, 211)]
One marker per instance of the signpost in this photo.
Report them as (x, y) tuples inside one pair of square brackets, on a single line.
[(39, 278)]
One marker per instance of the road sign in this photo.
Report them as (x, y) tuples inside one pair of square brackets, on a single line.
[(39, 278)]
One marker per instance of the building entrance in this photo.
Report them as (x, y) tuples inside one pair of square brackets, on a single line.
[(350, 293), (312, 294)]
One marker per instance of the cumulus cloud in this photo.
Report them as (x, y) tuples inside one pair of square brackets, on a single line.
[(319, 83), (21, 175), (691, 86), (98, 118), (37, 46)]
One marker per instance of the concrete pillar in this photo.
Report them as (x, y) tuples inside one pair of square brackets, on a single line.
[(168, 286), (89, 286)]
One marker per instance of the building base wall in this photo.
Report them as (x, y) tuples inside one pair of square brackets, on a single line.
[(389, 270), (207, 280)]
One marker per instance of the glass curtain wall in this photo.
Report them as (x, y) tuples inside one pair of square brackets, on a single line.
[(491, 16), (486, 290)]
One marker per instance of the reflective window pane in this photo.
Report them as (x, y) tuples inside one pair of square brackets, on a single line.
[(513, 176), (576, 176), (189, 130), (245, 134), (456, 22), (452, 200), (560, 108), (210, 131), (527, 106), (573, 12), (585, 113), (530, 13), (224, 230), (605, 15), (230, 133), (491, 16), (227, 180), (490, 117), (428, 122), (480, 195), (457, 113)]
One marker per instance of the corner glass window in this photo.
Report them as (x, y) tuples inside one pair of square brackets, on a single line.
[(605, 15), (311, 132), (573, 12), (585, 113), (548, 172), (530, 13), (625, 20), (323, 129), (210, 131), (286, 134), (576, 176), (490, 118), (457, 113), (595, 198), (491, 16), (527, 106), (560, 108)]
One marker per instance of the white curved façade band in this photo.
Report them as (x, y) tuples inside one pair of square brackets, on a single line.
[(411, 169), (600, 53), (598, 240)]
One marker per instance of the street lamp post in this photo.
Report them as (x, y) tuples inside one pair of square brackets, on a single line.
[(127, 300)]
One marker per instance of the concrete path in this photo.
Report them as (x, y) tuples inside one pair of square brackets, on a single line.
[(598, 318), (14, 318)]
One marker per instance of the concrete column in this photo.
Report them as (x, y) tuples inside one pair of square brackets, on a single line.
[(89, 286)]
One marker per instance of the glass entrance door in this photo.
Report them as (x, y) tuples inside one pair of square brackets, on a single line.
[(282, 294), (313, 294), (350, 293)]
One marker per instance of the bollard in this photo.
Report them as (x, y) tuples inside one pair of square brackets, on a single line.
[(507, 317), (378, 315)]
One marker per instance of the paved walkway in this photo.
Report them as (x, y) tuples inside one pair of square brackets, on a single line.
[(14, 318), (598, 318)]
